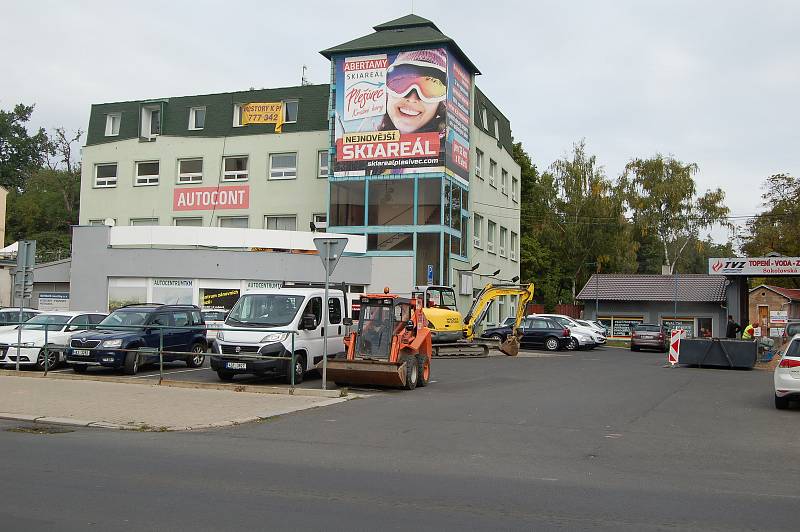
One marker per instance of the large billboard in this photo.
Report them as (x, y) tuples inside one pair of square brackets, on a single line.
[(401, 112), (756, 266)]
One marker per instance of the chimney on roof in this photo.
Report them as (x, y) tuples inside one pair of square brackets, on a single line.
[(665, 270)]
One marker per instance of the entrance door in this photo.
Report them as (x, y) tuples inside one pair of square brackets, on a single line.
[(763, 319)]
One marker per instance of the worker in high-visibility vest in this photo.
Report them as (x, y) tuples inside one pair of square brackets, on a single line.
[(750, 331)]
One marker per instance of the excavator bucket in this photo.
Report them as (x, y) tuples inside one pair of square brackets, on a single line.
[(366, 372), (510, 346)]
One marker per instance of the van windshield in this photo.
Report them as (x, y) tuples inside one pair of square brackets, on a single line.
[(264, 310)]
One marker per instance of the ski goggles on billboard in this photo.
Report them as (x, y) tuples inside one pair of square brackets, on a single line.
[(402, 79)]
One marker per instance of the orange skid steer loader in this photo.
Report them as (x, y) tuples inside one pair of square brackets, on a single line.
[(390, 347)]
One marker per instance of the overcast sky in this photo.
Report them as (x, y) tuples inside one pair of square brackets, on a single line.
[(714, 83)]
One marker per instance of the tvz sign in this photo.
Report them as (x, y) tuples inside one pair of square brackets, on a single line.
[(757, 266)]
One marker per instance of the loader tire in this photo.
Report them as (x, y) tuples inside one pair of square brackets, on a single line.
[(412, 371), (423, 370)]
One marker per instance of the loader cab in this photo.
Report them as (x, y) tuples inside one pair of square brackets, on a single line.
[(381, 319)]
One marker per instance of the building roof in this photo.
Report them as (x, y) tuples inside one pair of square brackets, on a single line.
[(792, 294), (635, 287), (405, 32)]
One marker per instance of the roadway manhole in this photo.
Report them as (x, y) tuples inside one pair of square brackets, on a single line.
[(40, 430)]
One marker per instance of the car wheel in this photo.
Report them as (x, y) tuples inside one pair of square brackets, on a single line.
[(299, 370), (496, 338), (423, 370), (131, 363), (573, 344), (225, 375), (551, 343), (781, 403), (80, 368), (412, 371), (52, 360), (197, 357)]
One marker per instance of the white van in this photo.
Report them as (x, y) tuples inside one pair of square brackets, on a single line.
[(273, 315)]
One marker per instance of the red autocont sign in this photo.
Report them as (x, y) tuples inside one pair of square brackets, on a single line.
[(209, 198), (757, 266)]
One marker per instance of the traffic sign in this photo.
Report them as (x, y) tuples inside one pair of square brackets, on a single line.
[(330, 251)]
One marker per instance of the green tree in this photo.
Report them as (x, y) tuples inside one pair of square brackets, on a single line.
[(776, 228), (21, 154), (661, 195)]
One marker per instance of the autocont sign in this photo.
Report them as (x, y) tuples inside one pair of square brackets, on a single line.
[(757, 266), (209, 198)]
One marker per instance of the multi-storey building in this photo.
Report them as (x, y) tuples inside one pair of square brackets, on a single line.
[(357, 156)]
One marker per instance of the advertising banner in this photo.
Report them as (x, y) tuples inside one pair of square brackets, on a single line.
[(779, 317), (401, 112), (49, 301), (210, 198), (757, 266), (263, 113), (219, 298)]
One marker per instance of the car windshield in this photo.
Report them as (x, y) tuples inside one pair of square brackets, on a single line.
[(265, 310), (647, 328), (213, 315), (53, 322), (124, 319)]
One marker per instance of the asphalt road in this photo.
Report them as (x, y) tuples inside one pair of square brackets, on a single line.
[(605, 439)]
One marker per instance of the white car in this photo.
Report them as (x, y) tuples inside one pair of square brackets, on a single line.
[(787, 375), (593, 325), (582, 336), (61, 326), (9, 317), (214, 320)]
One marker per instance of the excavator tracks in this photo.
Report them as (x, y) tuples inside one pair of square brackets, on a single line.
[(461, 350)]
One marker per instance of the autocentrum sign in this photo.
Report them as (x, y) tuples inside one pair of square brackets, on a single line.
[(757, 266)]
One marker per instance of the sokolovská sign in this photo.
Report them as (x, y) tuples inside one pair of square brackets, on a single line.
[(757, 266)]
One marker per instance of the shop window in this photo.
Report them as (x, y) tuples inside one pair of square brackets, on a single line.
[(190, 171), (239, 222), (283, 166), (347, 203), (113, 121), (429, 201), (197, 118), (221, 298), (173, 291), (390, 242), (322, 164), (235, 169), (281, 223), (428, 252), (704, 327), (147, 173), (126, 291), (391, 202), (105, 175)]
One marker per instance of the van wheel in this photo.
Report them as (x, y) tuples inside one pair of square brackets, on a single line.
[(197, 357), (423, 370), (781, 403), (299, 370), (412, 371), (131, 363), (225, 376)]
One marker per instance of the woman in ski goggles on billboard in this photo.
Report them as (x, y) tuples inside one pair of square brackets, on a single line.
[(416, 87)]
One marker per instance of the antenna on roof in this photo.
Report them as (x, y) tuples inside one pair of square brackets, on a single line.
[(303, 79)]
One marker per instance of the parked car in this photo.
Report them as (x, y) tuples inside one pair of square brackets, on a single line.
[(536, 332), (61, 327), (648, 336), (130, 337), (583, 337), (273, 314), (600, 327), (593, 325), (213, 318), (787, 375), (9, 317)]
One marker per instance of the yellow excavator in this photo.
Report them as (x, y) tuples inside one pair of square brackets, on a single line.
[(454, 334)]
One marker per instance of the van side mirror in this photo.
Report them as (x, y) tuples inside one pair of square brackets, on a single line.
[(347, 321), (308, 322), (410, 325)]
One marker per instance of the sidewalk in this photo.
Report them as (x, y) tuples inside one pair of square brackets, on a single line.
[(142, 406)]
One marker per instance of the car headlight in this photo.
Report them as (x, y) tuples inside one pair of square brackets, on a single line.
[(112, 343), (220, 336), (274, 337)]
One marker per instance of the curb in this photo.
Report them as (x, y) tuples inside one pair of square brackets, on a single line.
[(68, 422), (248, 388)]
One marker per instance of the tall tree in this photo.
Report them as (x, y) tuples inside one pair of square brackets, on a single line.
[(20, 153), (661, 194), (776, 228)]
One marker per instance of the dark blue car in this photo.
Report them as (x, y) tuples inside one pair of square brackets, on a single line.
[(131, 336), (535, 332)]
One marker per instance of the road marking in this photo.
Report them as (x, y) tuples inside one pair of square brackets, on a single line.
[(541, 355), (167, 373)]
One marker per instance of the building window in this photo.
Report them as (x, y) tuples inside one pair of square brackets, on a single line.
[(513, 252), (477, 226), (490, 230), (190, 170), (429, 201), (492, 172), (283, 166), (501, 309), (504, 181), (390, 242), (144, 221), (188, 222), (503, 239), (281, 223), (112, 124), (484, 119), (151, 121), (197, 118), (146, 173), (479, 163), (102, 222), (514, 188), (347, 203), (237, 115), (320, 223), (496, 129), (391, 202), (240, 222), (290, 111), (105, 175), (322, 164), (235, 169)]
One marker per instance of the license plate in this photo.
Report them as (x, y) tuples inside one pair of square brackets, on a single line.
[(81, 352), (236, 365)]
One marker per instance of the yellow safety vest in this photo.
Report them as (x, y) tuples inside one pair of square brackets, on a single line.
[(748, 333)]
